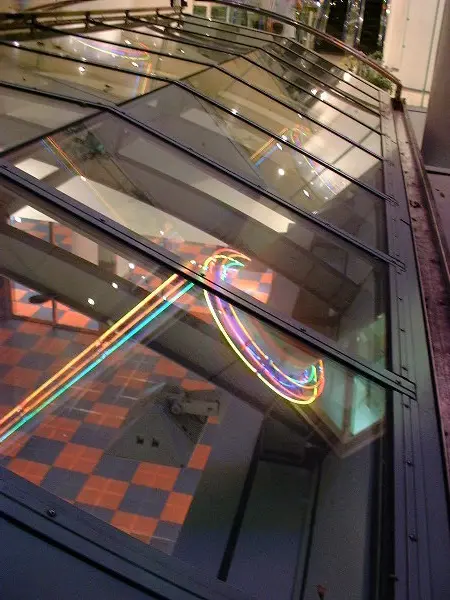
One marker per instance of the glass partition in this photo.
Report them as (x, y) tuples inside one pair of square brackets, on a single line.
[(151, 424), (282, 261)]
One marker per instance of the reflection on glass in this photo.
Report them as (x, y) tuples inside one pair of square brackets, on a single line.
[(317, 59), (326, 76), (234, 25), (141, 424), (255, 154), (319, 105), (219, 13), (141, 61), (215, 32), (53, 74), (286, 263), (144, 37), (300, 78), (26, 116), (287, 124)]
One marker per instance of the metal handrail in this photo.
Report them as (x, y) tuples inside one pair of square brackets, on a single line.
[(325, 36), (82, 13)]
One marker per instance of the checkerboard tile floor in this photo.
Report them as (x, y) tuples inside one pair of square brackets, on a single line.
[(66, 449)]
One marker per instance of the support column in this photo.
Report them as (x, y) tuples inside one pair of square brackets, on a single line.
[(436, 138)]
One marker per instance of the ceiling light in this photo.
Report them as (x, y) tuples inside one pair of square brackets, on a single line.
[(193, 262), (314, 91), (161, 232), (234, 111), (131, 265), (306, 193), (279, 146), (115, 286), (16, 44), (134, 64), (83, 178), (81, 69), (284, 137), (347, 77), (326, 197), (91, 301), (128, 42), (315, 212), (323, 96), (83, 59), (181, 50), (281, 172)]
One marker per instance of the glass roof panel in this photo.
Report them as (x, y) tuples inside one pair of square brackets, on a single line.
[(26, 116), (76, 79), (326, 77), (111, 55), (143, 37), (286, 123), (253, 152), (215, 33), (253, 33), (291, 265), (113, 430), (328, 66), (301, 79), (314, 105), (206, 39)]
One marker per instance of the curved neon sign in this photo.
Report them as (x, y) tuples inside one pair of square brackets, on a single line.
[(299, 384)]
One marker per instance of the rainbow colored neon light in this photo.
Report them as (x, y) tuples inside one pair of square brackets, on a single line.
[(299, 383)]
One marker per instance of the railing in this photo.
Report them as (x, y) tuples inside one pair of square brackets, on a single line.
[(320, 34)]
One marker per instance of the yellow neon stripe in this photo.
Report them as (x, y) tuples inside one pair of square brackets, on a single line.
[(95, 345)]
